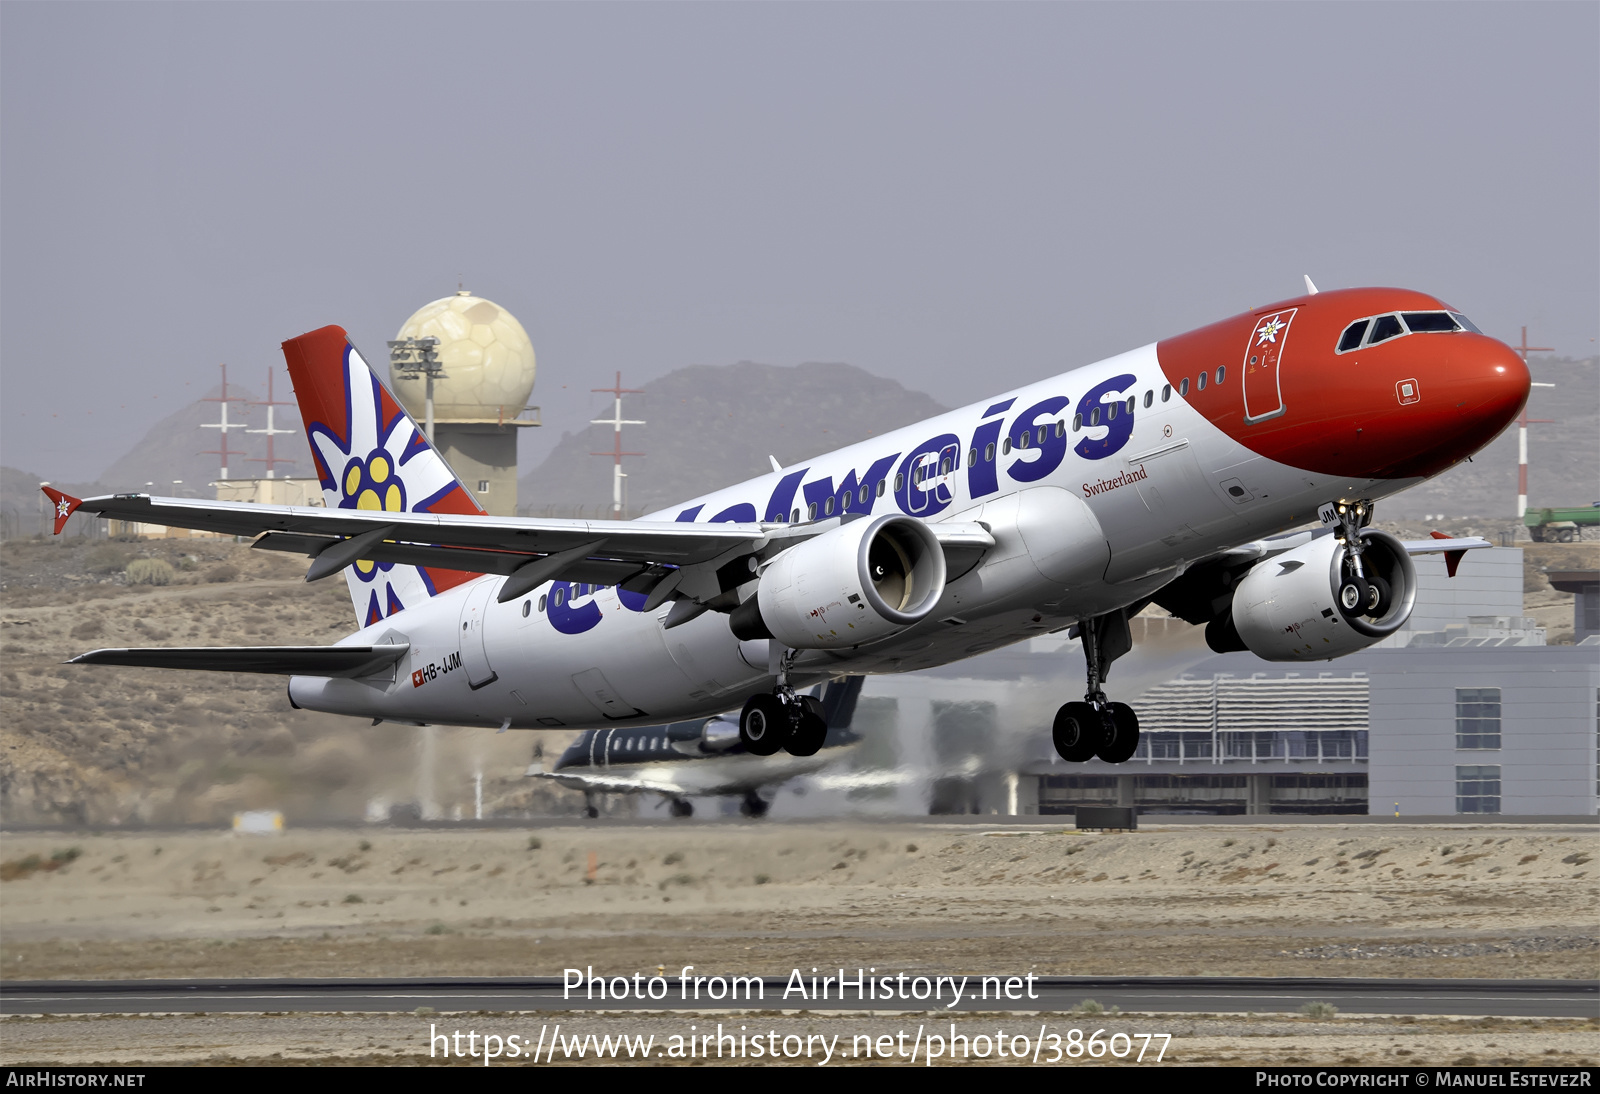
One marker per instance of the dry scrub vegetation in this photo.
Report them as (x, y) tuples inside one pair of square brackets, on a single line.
[(84, 745)]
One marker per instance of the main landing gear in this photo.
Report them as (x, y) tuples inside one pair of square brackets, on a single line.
[(782, 720), (681, 807), (1097, 727), (753, 805)]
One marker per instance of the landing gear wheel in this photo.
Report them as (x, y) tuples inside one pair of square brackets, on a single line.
[(681, 808), (1122, 738), (1353, 594), (753, 806), (591, 812), (1379, 597), (1077, 732), (765, 724), (807, 738)]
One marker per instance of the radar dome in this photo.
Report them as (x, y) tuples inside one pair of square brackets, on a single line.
[(487, 358)]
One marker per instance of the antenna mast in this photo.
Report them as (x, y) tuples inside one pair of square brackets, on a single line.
[(617, 421), (270, 431), (223, 426), (1523, 421)]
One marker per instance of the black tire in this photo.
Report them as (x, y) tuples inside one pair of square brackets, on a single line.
[(764, 725), (1379, 597), (1352, 596), (1122, 740), (753, 806), (681, 808), (1077, 732), (807, 738), (591, 812)]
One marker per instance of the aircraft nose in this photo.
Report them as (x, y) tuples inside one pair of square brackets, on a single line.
[(1490, 384)]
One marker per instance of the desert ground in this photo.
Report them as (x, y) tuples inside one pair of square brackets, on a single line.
[(755, 897), (1303, 900)]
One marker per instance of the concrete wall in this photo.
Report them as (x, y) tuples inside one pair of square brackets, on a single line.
[(1548, 727)]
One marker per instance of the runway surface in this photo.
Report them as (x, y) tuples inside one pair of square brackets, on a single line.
[(1261, 995)]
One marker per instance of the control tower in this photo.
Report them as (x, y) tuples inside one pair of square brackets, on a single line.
[(480, 393)]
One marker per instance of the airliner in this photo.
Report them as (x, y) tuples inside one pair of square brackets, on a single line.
[(1174, 474), (700, 758)]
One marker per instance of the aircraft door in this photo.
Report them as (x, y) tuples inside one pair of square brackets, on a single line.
[(1263, 357), (474, 656)]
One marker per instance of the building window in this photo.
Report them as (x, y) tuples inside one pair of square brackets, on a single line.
[(483, 486), (1478, 789), (1477, 718)]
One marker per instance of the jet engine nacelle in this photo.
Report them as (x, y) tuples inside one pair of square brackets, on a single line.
[(862, 581), (1314, 602)]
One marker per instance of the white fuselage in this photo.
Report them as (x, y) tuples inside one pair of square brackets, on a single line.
[(1084, 523)]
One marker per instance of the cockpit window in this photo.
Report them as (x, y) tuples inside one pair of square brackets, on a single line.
[(1352, 335), (1384, 328), (1430, 322), (1465, 322)]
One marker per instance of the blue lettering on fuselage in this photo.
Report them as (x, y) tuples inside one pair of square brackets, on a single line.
[(743, 513), (568, 616), (1118, 429), (936, 458), (1047, 449), (852, 495), (783, 495), (909, 494), (983, 475)]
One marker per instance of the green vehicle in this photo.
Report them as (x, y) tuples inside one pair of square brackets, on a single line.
[(1560, 525)]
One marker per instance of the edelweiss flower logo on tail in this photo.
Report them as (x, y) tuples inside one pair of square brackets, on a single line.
[(377, 459)]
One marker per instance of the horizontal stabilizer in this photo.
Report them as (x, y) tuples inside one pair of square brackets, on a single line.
[(281, 660)]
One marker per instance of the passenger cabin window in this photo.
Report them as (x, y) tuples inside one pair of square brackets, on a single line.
[(1111, 411), (1183, 386), (811, 511), (1061, 429), (1166, 392), (972, 456), (1430, 322), (988, 452), (1200, 382), (1077, 423), (1094, 416), (1149, 397), (1351, 338), (1384, 328), (1222, 370)]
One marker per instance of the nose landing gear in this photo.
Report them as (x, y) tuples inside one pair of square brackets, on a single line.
[(1096, 726)]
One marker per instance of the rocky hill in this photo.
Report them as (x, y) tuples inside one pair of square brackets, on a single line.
[(708, 427)]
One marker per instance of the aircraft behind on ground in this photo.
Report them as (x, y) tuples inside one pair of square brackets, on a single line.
[(1167, 475), (700, 757)]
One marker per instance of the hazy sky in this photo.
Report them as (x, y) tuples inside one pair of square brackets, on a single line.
[(961, 197)]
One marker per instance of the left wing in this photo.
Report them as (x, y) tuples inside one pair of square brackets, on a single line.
[(656, 558)]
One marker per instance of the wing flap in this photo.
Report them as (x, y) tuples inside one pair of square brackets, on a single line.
[(347, 661)]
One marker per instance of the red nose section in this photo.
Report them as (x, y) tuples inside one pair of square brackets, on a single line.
[(1409, 406)]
